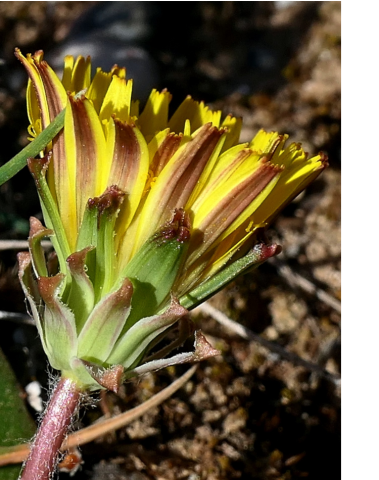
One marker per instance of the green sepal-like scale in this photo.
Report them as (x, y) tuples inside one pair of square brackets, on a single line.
[(154, 268)]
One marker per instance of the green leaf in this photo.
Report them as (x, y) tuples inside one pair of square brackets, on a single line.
[(259, 254), (16, 425), (18, 162)]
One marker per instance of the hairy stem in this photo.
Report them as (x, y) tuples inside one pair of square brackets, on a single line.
[(42, 460)]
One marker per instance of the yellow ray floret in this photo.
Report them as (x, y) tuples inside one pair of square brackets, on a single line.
[(160, 163)]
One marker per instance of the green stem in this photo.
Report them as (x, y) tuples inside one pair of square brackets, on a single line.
[(18, 162)]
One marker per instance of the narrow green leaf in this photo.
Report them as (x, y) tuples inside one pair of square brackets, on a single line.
[(18, 162), (259, 254)]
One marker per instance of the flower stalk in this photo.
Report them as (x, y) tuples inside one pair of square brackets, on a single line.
[(57, 419)]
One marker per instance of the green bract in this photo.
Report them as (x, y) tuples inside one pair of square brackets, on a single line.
[(94, 320)]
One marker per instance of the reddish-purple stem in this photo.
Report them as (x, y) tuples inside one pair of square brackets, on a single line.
[(42, 459)]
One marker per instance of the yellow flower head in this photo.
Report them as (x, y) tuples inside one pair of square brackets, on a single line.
[(158, 176)]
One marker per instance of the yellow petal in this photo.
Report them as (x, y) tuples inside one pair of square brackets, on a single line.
[(67, 72), (197, 113), (76, 76), (229, 205), (263, 141), (85, 150), (155, 114), (295, 177), (129, 169), (218, 170), (117, 100), (177, 180), (162, 148), (64, 179), (233, 126), (98, 88), (50, 95)]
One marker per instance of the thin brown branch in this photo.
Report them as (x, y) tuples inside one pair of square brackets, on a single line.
[(20, 244)]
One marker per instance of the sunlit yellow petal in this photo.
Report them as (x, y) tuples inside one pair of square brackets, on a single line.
[(206, 115), (219, 169), (177, 180), (50, 96), (162, 148), (263, 142), (81, 75), (98, 88), (291, 182), (233, 126), (196, 112), (230, 204), (65, 179), (187, 130), (207, 172), (155, 114), (117, 100), (76, 75), (67, 72)]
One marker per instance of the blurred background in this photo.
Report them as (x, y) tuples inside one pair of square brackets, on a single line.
[(253, 413)]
